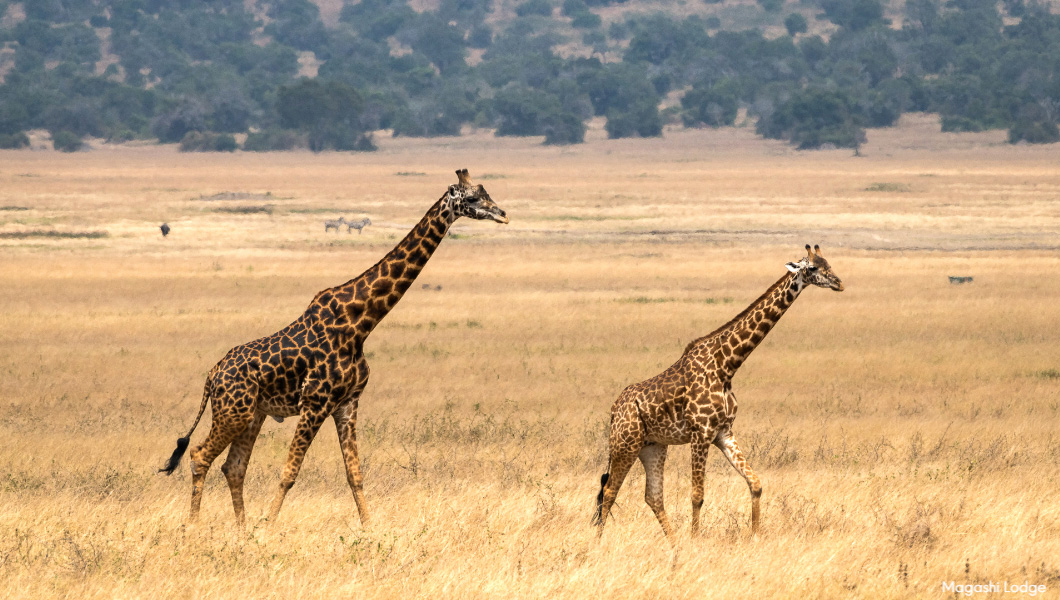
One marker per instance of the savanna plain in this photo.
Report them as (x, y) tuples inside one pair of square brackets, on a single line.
[(905, 430)]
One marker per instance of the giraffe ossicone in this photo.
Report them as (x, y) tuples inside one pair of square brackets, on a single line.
[(315, 367), (692, 402)]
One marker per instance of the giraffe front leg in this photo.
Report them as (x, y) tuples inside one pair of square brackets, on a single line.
[(235, 466), (308, 426), (653, 456), (700, 445), (346, 425), (726, 442)]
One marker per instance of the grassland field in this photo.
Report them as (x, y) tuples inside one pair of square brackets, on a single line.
[(905, 430)]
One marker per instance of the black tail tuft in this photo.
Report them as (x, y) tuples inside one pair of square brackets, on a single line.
[(600, 500), (182, 446)]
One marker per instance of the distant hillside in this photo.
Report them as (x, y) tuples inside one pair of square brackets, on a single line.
[(326, 74)]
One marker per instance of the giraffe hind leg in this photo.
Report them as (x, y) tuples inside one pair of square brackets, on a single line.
[(653, 457), (621, 462), (235, 465), (226, 427)]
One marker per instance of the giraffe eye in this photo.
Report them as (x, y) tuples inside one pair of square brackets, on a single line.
[(811, 269)]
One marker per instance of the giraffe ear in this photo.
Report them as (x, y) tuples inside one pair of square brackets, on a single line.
[(793, 267)]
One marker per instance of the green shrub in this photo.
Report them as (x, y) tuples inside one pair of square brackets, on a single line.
[(1034, 132), (534, 7), (586, 20), (814, 117), (714, 106), (65, 141), (642, 119), (564, 128), (795, 23), (13, 141)]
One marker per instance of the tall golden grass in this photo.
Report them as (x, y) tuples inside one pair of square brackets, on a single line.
[(904, 430)]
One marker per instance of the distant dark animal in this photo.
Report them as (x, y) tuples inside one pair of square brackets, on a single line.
[(958, 280), (165, 229), (358, 225), (334, 224)]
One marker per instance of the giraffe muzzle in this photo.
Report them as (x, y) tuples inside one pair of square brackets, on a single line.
[(499, 216)]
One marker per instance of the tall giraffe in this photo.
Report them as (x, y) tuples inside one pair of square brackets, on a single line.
[(315, 367), (692, 401)]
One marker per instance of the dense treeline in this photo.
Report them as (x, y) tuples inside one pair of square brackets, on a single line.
[(197, 71)]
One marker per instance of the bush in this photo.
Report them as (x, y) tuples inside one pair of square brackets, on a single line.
[(481, 36), (795, 23), (271, 140), (715, 106), (573, 7), (813, 117), (771, 6), (534, 7), (642, 119), (66, 141), (563, 129), (13, 141), (1034, 132), (586, 20), (206, 141)]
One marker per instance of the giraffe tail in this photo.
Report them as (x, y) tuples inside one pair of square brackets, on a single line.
[(599, 516), (182, 443)]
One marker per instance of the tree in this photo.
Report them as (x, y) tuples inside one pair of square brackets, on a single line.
[(813, 117), (65, 141), (771, 6), (329, 112), (713, 106), (795, 23), (854, 14), (641, 119)]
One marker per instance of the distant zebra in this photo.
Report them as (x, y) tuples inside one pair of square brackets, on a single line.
[(358, 225), (335, 224)]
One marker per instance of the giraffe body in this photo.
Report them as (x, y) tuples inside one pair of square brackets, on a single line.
[(315, 367), (692, 402)]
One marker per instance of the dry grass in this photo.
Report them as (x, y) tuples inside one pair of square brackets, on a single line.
[(905, 430)]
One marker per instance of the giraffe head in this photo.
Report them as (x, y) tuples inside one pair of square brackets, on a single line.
[(815, 270), (470, 200)]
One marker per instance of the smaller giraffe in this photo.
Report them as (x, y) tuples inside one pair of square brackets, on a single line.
[(692, 401)]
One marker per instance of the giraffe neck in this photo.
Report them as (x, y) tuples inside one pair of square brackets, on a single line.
[(739, 337), (376, 291)]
